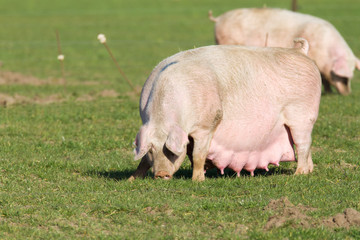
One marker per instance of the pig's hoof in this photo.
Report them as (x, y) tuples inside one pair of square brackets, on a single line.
[(303, 170), (199, 178)]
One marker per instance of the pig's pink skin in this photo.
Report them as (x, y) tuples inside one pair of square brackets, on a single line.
[(278, 28), (242, 143), (236, 103)]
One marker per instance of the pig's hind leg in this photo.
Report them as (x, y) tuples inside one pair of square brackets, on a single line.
[(301, 128)]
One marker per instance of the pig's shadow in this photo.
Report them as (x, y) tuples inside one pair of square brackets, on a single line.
[(214, 173), (114, 175), (125, 174), (187, 173)]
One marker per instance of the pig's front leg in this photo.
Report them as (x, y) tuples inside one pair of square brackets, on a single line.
[(202, 139), (201, 148), (326, 83), (141, 169)]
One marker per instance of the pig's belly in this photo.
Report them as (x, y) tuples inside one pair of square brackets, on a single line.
[(237, 147)]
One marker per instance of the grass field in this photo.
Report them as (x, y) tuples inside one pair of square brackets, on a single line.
[(66, 149)]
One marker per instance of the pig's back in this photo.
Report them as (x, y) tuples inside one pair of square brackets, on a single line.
[(235, 77), (260, 26), (235, 71)]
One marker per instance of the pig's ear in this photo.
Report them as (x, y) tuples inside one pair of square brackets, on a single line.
[(341, 68), (142, 144), (177, 140)]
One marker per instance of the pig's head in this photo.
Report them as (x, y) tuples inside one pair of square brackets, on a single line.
[(341, 73), (164, 152)]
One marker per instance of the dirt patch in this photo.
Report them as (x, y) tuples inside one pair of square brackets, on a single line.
[(85, 98), (109, 93), (18, 78), (8, 100), (7, 77), (349, 218), (55, 98), (287, 214)]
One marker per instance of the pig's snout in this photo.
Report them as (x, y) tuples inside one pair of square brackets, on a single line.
[(163, 175)]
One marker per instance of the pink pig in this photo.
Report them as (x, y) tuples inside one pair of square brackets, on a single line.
[(278, 27), (239, 107)]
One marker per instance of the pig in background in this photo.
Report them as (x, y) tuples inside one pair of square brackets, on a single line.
[(278, 28), (238, 107)]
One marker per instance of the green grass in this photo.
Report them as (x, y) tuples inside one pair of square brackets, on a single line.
[(64, 165)]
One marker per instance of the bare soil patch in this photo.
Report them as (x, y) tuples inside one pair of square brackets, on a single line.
[(7, 77), (109, 93), (85, 98), (286, 213), (18, 78), (8, 100), (349, 218)]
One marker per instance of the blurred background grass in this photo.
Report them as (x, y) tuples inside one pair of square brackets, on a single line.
[(140, 33)]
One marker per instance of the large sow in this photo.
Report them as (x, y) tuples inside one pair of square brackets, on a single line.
[(241, 107), (278, 27)]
